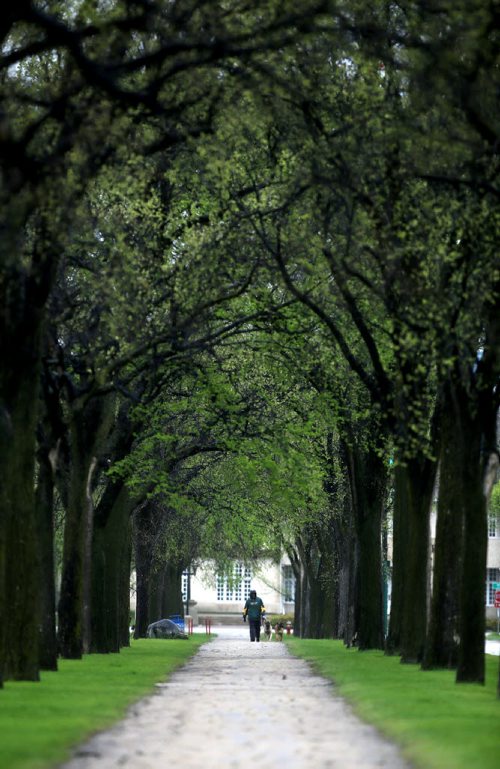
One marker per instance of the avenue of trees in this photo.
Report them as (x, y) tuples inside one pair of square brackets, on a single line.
[(250, 302)]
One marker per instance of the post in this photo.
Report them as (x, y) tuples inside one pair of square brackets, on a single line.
[(188, 589), (496, 602)]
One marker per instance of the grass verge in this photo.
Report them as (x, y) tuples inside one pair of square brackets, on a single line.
[(437, 723), (41, 722)]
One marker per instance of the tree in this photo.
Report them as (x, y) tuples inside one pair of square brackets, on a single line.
[(371, 246), (75, 82)]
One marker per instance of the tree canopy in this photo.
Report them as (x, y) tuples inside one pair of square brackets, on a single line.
[(250, 303)]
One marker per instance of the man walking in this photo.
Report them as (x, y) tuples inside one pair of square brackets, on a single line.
[(254, 609)]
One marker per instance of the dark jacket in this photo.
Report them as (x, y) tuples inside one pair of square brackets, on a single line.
[(254, 608)]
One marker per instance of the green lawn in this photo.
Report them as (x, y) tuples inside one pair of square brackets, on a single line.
[(40, 722), (439, 724)]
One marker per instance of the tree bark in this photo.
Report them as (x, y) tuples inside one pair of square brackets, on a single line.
[(142, 528), (317, 585), (110, 555), (297, 607), (343, 543), (21, 321), (418, 476), (346, 569), (44, 507), (20, 593), (70, 608), (368, 480), (478, 411), (470, 472), (442, 638), (111, 551), (88, 425), (124, 618), (171, 602), (400, 548)]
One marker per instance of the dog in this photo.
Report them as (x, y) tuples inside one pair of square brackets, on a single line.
[(278, 631), (267, 629)]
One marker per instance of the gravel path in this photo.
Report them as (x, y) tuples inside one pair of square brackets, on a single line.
[(240, 705)]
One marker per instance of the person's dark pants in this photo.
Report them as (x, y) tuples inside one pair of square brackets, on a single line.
[(254, 629)]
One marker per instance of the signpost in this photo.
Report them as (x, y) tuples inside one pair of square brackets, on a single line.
[(497, 605), (496, 602)]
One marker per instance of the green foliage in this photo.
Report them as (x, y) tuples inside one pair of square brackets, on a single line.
[(232, 454), (273, 230)]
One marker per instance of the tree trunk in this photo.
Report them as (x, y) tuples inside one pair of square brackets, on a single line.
[(171, 601), (303, 588), (346, 558), (368, 480), (45, 537), (124, 618), (470, 470), (142, 524), (316, 586), (442, 638), (344, 594), (87, 428), (400, 547), (156, 589), (297, 607), (111, 551), (479, 441), (20, 336), (342, 543), (418, 476), (20, 594), (472, 611), (322, 604), (305, 604), (70, 608), (110, 548)]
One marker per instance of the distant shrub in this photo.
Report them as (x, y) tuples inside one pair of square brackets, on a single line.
[(284, 618)]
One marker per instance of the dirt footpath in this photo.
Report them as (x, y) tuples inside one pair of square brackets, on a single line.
[(240, 705)]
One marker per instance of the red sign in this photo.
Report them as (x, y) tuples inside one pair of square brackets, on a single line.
[(497, 599)]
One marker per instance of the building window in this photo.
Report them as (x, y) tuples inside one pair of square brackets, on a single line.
[(288, 583), (238, 574), (220, 588), (493, 526), (235, 588), (492, 577), (247, 579)]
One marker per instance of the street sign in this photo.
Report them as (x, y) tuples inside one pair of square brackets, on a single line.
[(496, 585), (497, 599)]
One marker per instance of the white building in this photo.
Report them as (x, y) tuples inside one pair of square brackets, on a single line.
[(493, 564), (222, 598)]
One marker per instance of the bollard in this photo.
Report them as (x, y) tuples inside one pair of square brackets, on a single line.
[(190, 626), (208, 626), (288, 628)]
